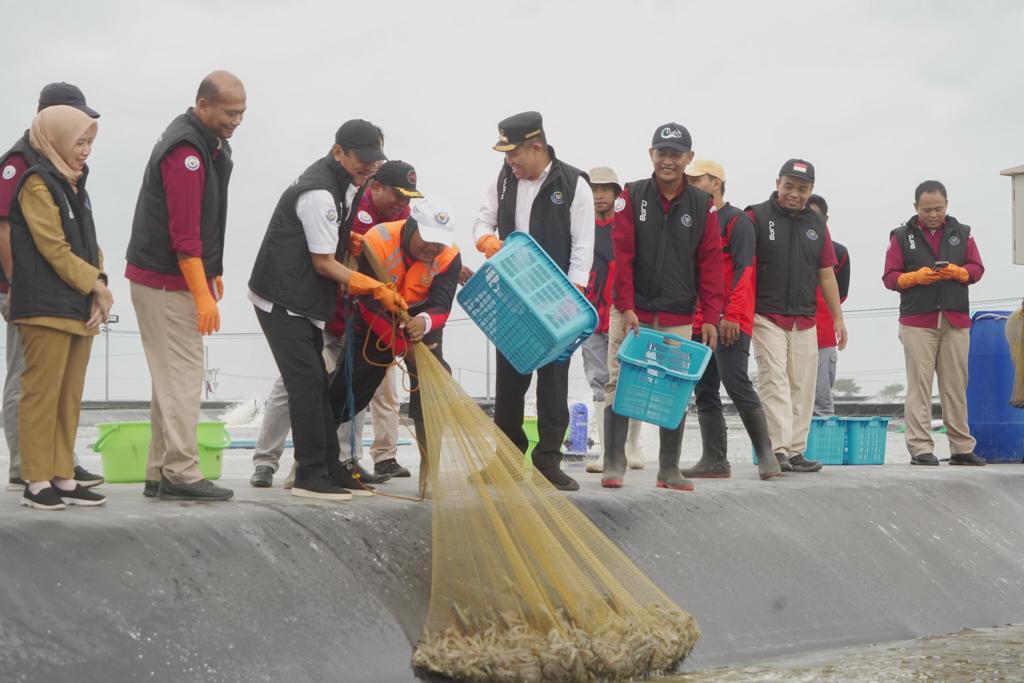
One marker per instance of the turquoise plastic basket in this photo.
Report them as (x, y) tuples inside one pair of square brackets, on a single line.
[(526, 305), (865, 440), (657, 374), (826, 441)]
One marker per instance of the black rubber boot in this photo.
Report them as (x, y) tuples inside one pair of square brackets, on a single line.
[(550, 465), (757, 429), (713, 463), (671, 446), (615, 428)]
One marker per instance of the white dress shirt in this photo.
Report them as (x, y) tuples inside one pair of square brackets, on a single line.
[(581, 226)]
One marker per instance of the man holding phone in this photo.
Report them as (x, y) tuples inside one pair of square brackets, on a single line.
[(931, 261)]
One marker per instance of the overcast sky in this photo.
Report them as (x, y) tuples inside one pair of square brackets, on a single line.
[(878, 95)]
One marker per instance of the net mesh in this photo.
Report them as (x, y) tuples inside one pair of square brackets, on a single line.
[(524, 586), (1015, 337)]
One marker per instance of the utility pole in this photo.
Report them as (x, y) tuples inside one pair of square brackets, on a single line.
[(106, 361)]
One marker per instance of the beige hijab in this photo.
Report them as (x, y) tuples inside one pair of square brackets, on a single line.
[(54, 132)]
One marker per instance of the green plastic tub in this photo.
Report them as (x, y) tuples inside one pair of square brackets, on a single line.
[(124, 446)]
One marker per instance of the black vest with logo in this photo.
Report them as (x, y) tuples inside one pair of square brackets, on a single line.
[(150, 244), (665, 261), (788, 253), (284, 272), (31, 156), (37, 289), (550, 219), (944, 295)]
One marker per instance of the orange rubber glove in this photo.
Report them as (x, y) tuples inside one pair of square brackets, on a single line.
[(921, 276), (488, 245), (207, 314), (583, 290), (218, 285), (954, 272), (355, 244), (387, 295)]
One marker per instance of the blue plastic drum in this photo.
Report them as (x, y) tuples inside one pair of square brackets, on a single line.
[(998, 426)]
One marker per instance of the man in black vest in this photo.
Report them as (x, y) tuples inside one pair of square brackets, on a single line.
[(539, 194), (667, 253), (175, 262), (13, 164), (294, 286), (794, 256), (931, 261)]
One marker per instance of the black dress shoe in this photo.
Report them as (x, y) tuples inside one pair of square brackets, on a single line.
[(972, 459), (263, 477), (86, 478), (783, 462), (202, 490), (151, 488), (801, 464), (391, 468), (924, 459), (374, 478)]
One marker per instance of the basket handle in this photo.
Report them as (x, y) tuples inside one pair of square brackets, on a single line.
[(98, 444), (217, 446)]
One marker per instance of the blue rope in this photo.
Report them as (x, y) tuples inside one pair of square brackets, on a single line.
[(349, 364)]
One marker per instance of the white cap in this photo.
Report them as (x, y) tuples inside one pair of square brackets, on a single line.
[(436, 225)]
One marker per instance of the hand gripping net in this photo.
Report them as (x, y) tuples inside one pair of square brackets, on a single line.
[(524, 586)]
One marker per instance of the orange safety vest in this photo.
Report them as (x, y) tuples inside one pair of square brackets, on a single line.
[(413, 281)]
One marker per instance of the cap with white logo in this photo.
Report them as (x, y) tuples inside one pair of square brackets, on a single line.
[(672, 136), (435, 224), (798, 168)]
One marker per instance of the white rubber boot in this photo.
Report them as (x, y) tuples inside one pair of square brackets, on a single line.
[(595, 430), (634, 452)]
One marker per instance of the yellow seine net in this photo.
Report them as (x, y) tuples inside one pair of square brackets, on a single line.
[(524, 586)]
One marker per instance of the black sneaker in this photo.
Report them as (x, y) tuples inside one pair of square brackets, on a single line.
[(801, 464), (972, 459), (47, 499), (151, 488), (924, 459), (320, 488), (347, 477), (16, 484), (263, 477), (783, 462), (81, 496), (202, 490), (86, 478), (391, 468), (374, 478)]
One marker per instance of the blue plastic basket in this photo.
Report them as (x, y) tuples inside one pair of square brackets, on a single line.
[(526, 305), (826, 441), (657, 375), (865, 440)]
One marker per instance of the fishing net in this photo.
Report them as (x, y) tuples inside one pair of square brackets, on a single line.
[(1015, 337), (524, 586)]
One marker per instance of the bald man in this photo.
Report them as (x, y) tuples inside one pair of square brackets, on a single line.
[(175, 262)]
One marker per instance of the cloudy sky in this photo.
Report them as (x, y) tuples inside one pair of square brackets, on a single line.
[(879, 95)]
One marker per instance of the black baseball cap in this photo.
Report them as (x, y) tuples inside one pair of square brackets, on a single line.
[(798, 168), (672, 136), (399, 175), (517, 129), (64, 93), (363, 138)]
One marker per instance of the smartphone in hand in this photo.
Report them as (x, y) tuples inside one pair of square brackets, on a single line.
[(939, 265)]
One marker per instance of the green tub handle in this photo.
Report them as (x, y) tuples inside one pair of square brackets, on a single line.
[(226, 443), (98, 445)]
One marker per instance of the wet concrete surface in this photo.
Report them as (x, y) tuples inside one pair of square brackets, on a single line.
[(268, 587)]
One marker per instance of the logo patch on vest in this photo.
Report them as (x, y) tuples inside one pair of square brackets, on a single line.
[(557, 197), (643, 210), (812, 235), (192, 162), (442, 218), (686, 220), (364, 217), (620, 204), (332, 215), (954, 240), (913, 244), (771, 230), (9, 172)]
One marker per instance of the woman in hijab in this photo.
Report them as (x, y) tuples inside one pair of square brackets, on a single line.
[(59, 297)]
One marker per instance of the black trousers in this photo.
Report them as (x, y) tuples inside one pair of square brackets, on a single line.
[(552, 405), (728, 366), (297, 346)]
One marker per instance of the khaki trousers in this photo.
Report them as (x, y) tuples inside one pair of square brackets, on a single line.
[(929, 352), (616, 336), (51, 399), (384, 410), (787, 369), (174, 352)]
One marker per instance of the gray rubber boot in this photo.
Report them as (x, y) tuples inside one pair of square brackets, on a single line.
[(757, 429), (713, 463), (615, 429), (671, 446)]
